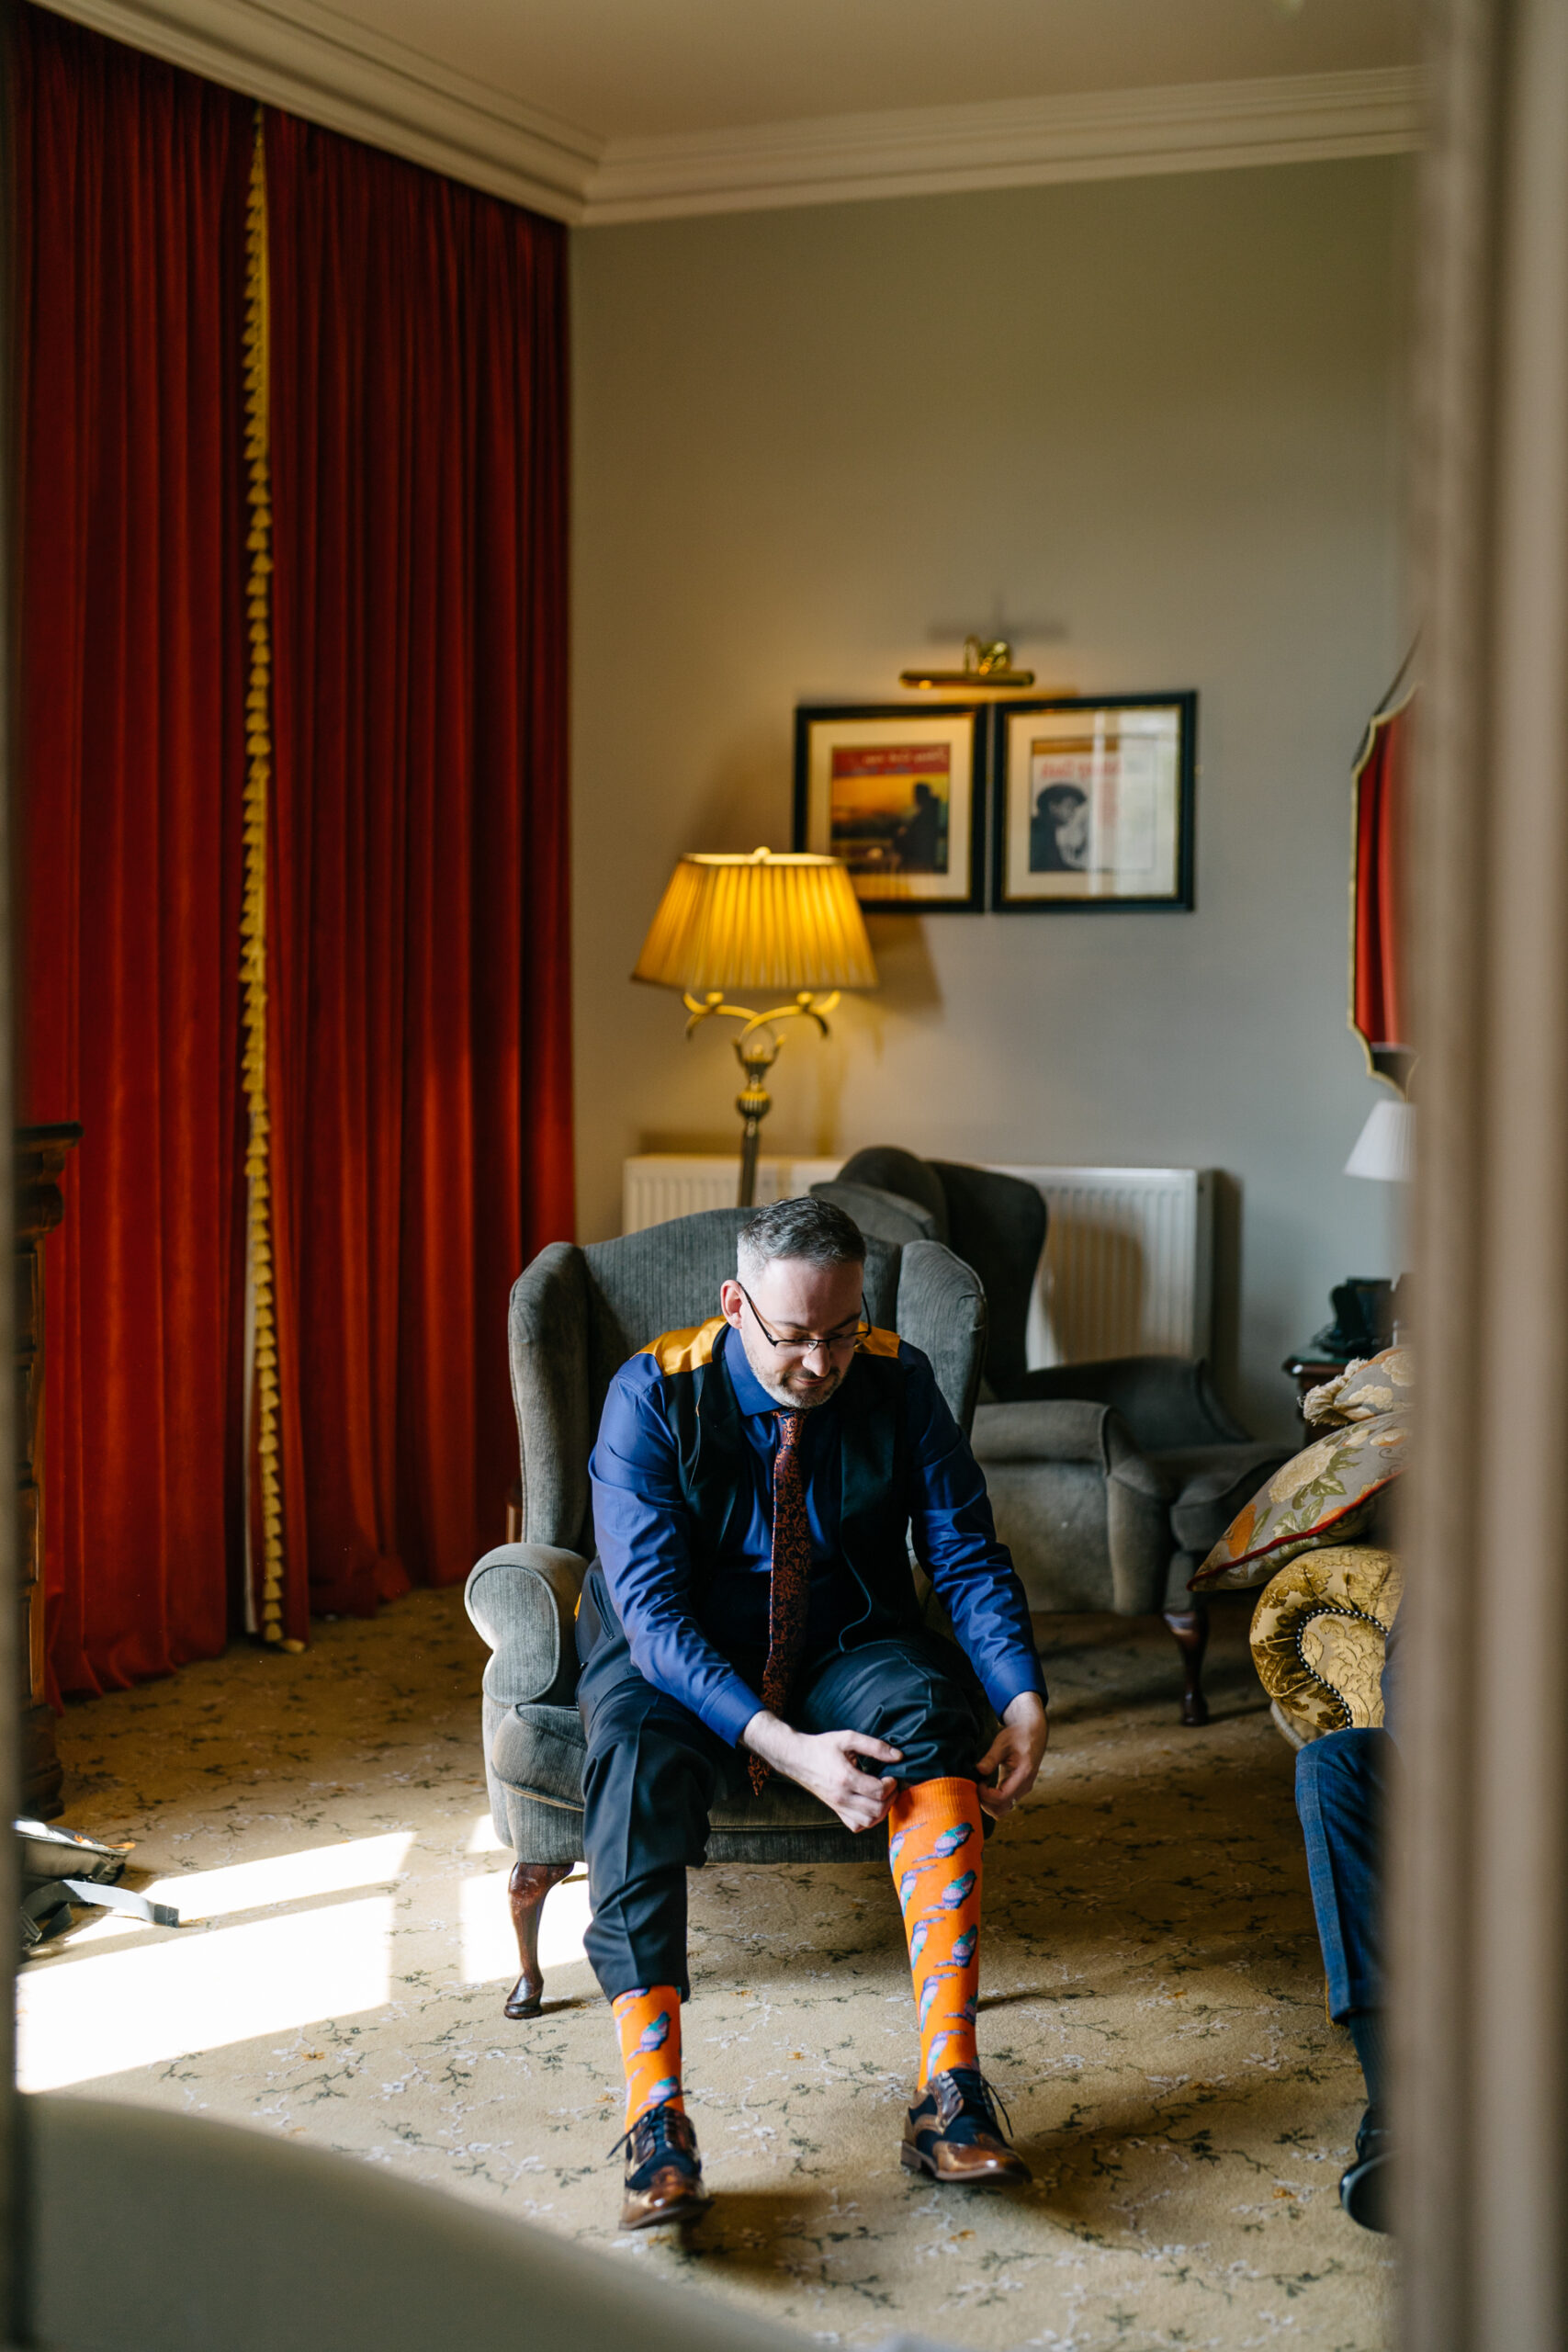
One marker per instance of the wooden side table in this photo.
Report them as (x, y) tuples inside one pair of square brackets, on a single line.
[(1310, 1372), (41, 1154)]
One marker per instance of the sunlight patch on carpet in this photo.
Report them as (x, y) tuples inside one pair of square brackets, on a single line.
[(254, 1886), (159, 2000)]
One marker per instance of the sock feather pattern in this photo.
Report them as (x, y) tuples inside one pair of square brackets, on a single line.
[(648, 2020)]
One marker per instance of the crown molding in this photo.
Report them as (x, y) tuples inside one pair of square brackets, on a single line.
[(312, 61), (333, 70), (1018, 142)]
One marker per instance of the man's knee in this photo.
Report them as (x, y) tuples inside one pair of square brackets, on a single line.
[(1342, 1768), (935, 1714), (913, 1704)]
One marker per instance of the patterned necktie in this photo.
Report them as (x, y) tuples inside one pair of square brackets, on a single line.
[(789, 1581)]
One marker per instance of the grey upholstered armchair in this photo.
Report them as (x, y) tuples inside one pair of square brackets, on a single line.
[(577, 1315), (1110, 1481)]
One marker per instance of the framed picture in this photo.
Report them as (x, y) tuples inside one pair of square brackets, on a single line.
[(899, 794), (1094, 804)]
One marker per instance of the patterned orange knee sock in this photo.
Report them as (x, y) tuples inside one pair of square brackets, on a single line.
[(934, 1842), (649, 2022)]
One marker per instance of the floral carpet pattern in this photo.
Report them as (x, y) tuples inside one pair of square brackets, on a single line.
[(1151, 2012)]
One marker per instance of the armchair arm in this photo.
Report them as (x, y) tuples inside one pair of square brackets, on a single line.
[(1168, 1402), (523, 1600), (1065, 1429), (1037, 1450)]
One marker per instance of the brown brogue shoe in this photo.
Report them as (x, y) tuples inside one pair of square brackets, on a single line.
[(954, 2135), (664, 2172)]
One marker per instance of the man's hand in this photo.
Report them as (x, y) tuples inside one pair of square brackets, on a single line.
[(1013, 1758), (824, 1762)]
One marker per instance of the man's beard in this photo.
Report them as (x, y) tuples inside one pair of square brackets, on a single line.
[(819, 1393)]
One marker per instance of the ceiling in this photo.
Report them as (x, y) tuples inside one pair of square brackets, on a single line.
[(639, 69), (612, 110)]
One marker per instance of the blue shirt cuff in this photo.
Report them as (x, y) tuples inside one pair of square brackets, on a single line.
[(1008, 1676), (728, 1709)]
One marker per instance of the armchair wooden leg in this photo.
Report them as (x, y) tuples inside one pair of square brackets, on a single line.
[(1190, 1629), (528, 1887)]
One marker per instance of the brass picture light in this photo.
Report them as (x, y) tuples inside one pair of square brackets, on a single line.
[(779, 923), (986, 662)]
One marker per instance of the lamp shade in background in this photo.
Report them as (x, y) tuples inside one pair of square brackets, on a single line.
[(1385, 1148), (778, 922)]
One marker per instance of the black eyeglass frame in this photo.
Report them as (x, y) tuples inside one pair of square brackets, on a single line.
[(825, 1340)]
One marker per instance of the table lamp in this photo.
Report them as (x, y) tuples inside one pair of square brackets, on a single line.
[(1385, 1148), (774, 921)]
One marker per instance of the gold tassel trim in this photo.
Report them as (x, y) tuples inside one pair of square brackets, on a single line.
[(253, 922)]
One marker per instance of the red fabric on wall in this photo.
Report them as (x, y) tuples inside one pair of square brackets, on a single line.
[(130, 227), (419, 1039), (1378, 1006)]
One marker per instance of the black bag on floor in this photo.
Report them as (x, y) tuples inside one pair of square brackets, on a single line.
[(58, 1866)]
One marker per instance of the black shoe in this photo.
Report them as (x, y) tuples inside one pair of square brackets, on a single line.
[(1366, 2189), (953, 2133), (664, 2172)]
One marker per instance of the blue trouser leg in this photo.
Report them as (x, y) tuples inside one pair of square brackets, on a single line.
[(1341, 1787), (649, 1779)]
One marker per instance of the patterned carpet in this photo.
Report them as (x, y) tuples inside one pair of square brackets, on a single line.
[(1152, 2009)]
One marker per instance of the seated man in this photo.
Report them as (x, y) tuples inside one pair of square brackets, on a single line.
[(752, 1612)]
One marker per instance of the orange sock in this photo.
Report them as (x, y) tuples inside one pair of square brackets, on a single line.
[(934, 1840), (649, 2022)]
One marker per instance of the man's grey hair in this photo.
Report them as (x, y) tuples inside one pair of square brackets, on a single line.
[(815, 1230)]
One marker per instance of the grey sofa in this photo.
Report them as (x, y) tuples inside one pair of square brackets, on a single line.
[(577, 1315), (1110, 1481)]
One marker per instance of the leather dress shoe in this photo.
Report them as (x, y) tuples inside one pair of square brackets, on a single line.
[(664, 2172), (953, 2133), (1366, 2187)]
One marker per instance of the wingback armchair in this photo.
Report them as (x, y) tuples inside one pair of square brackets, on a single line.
[(1110, 1480), (576, 1315)]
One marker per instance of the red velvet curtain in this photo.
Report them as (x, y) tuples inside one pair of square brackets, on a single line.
[(418, 1040), (129, 254), (419, 1046)]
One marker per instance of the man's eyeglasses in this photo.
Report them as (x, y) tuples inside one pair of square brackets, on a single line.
[(801, 1343)]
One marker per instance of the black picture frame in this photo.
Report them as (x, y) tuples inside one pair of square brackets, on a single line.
[(963, 730), (1166, 824)]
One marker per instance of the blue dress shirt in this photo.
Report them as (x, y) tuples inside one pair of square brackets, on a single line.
[(713, 1662)]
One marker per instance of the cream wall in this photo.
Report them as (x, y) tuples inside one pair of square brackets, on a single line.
[(1151, 427)]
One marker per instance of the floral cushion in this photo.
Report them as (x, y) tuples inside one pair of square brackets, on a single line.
[(1318, 1634), (1361, 1391), (1324, 1495)]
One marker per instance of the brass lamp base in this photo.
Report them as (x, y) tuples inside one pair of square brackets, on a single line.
[(756, 1054), (756, 1049)]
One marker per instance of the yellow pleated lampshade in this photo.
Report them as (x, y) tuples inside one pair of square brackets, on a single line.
[(774, 922)]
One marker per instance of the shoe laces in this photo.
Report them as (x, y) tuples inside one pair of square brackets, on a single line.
[(652, 2133), (977, 2091)]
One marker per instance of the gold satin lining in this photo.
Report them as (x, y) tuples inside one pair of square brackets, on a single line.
[(686, 1351)]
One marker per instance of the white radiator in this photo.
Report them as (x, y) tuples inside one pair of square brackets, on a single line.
[(1129, 1251)]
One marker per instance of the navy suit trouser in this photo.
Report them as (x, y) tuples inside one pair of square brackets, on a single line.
[(654, 1771)]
